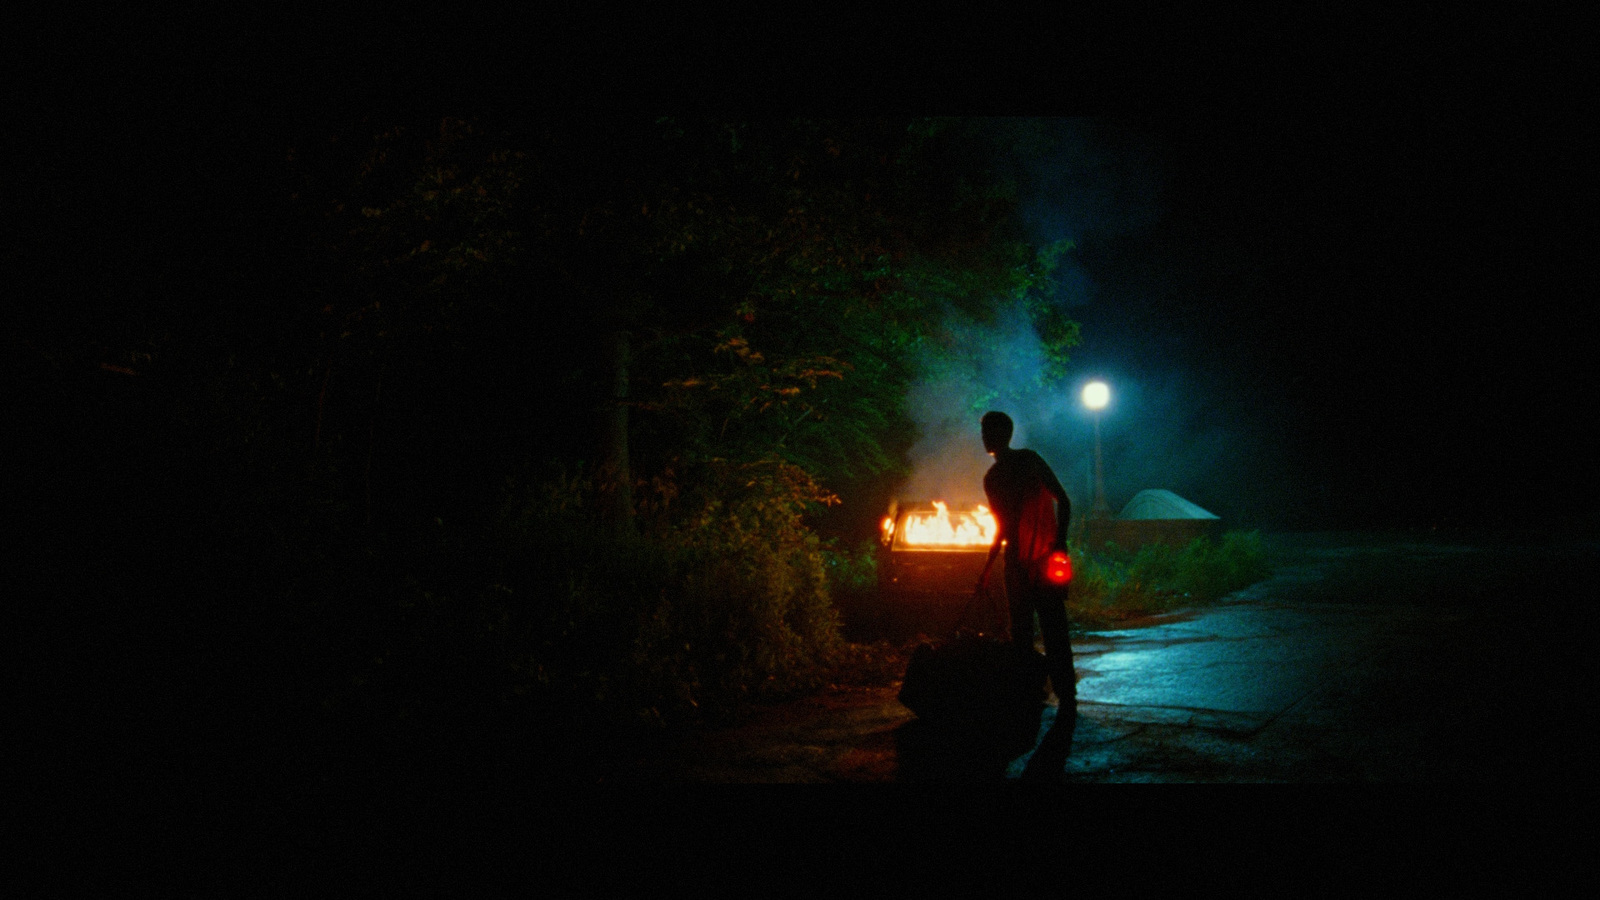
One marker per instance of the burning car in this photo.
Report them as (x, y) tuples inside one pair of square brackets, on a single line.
[(934, 547)]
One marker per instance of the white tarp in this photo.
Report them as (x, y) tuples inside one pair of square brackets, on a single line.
[(1160, 504)]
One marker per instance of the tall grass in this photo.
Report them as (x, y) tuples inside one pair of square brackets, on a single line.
[(1114, 585)]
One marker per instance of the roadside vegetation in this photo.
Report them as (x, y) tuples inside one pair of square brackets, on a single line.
[(720, 597), (1115, 585)]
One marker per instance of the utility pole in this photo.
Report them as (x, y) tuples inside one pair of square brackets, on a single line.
[(1095, 396)]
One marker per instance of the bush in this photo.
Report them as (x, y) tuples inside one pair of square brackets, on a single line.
[(851, 571), (1206, 572), (1115, 584), (721, 598)]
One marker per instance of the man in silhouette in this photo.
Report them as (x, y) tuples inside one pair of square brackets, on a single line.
[(1032, 511)]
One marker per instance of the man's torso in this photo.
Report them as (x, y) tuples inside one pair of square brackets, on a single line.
[(1024, 506)]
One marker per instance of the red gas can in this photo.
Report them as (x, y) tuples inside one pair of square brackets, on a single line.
[(1058, 568)]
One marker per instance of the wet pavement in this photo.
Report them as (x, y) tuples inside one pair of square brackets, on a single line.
[(1366, 658)]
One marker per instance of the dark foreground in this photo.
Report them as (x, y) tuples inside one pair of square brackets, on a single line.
[(1367, 658)]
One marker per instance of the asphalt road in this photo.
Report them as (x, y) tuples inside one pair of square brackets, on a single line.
[(1366, 658)]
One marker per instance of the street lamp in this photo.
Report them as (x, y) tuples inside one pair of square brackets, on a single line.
[(1095, 396)]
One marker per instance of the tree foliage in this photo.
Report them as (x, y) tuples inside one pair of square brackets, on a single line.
[(784, 281), (391, 448)]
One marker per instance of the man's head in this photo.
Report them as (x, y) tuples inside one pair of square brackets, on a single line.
[(997, 429)]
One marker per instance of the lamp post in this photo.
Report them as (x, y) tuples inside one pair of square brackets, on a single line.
[(1095, 396)]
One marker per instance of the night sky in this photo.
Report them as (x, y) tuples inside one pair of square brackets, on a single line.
[(1366, 313), (1392, 294), (1359, 317)]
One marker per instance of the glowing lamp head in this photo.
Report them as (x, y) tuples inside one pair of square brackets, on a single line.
[(1058, 568), (1096, 395)]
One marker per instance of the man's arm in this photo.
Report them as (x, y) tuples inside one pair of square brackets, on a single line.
[(999, 536), (1063, 505), (983, 577)]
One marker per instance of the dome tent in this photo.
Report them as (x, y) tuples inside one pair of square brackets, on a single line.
[(1161, 504), (1153, 517)]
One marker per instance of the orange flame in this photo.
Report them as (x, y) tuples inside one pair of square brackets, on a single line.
[(941, 528)]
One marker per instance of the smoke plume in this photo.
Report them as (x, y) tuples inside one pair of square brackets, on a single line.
[(1167, 425)]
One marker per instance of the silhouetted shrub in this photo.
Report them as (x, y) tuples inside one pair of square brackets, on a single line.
[(720, 597)]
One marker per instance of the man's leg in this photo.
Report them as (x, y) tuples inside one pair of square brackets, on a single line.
[(1058, 657), (1049, 759)]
